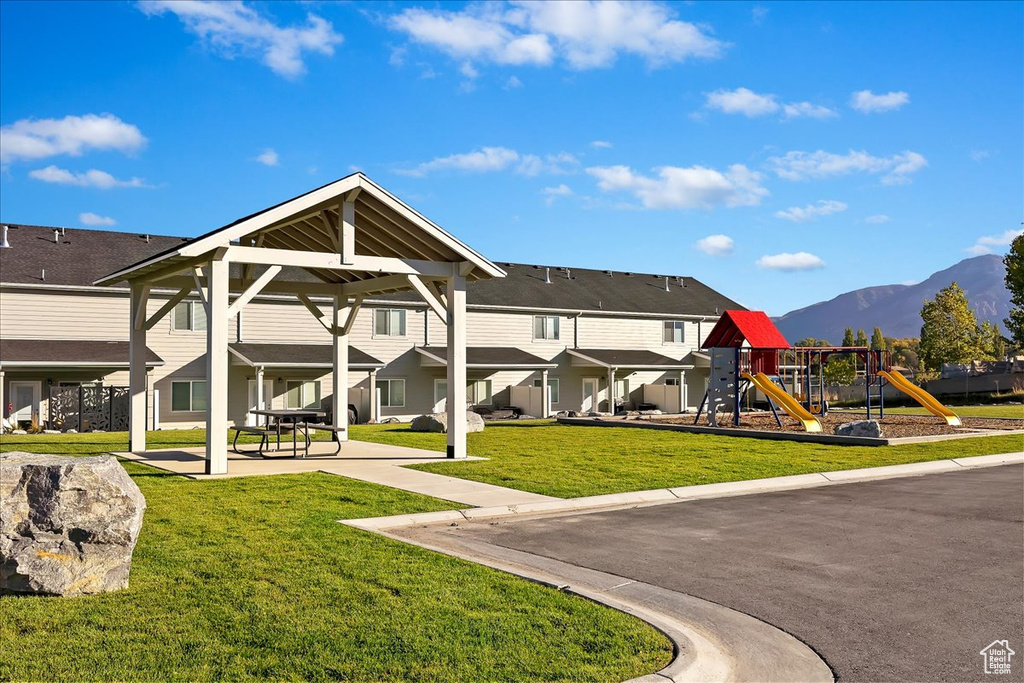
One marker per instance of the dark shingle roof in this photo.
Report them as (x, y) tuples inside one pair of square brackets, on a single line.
[(83, 256), (292, 355), (629, 358), (57, 352), (491, 356)]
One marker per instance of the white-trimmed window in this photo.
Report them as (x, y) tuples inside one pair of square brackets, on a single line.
[(673, 332), (478, 392), (188, 396), (392, 392), (672, 381), (189, 316), (440, 390), (389, 322), (552, 387), (302, 394), (545, 327)]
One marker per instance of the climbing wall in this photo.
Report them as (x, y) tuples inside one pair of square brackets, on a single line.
[(722, 386)]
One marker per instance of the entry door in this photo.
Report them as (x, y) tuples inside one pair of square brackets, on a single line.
[(268, 392), (25, 400), (590, 394)]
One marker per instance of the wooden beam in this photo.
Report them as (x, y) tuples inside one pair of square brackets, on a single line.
[(317, 313), (140, 303), (347, 230), (197, 274), (377, 284), (352, 311), (428, 296), (436, 291), (331, 231), (316, 259), (169, 306), (256, 287)]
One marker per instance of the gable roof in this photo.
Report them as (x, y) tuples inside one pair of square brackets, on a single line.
[(753, 327), (68, 352)]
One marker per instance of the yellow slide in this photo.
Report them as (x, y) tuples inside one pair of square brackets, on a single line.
[(787, 402), (921, 396)]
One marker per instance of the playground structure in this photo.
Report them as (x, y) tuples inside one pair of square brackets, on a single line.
[(748, 352)]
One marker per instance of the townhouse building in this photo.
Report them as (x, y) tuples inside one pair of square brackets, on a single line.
[(543, 339)]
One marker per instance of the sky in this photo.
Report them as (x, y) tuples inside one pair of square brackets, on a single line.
[(782, 153)]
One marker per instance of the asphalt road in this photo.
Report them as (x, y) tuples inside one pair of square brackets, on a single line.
[(896, 580)]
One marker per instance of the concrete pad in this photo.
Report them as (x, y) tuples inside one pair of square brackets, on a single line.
[(988, 460), (379, 523)]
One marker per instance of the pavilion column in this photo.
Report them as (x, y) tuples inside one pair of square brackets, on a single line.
[(260, 398), (374, 403), (455, 403), (545, 394), (611, 390), (137, 371), (339, 405), (217, 367)]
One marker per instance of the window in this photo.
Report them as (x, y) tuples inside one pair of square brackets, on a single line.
[(302, 394), (392, 392), (188, 396), (673, 333), (552, 387), (389, 322), (622, 391), (440, 390), (545, 327), (478, 392), (672, 381), (189, 316)]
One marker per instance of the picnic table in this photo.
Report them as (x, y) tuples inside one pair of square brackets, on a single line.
[(297, 418)]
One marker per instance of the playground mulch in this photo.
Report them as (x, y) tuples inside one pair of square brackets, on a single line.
[(893, 426)]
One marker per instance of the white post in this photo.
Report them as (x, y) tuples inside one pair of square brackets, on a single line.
[(374, 403), (682, 391), (137, 371), (455, 404), (611, 390), (217, 368), (260, 398), (339, 374), (545, 394), (3, 406), (156, 410)]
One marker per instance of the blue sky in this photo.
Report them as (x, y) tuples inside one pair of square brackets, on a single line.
[(781, 152)]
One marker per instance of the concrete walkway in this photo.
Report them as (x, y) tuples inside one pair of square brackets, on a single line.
[(371, 462)]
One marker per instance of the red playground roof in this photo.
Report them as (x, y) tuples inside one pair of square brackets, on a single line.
[(754, 327)]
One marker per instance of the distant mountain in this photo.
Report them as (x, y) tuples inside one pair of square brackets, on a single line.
[(897, 308)]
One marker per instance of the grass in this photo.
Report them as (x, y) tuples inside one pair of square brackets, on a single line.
[(254, 578), (572, 461), (1001, 410)]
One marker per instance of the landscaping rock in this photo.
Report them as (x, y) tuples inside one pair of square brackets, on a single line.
[(19, 432), (390, 421), (868, 428), (438, 422), (655, 411), (51, 431), (68, 525)]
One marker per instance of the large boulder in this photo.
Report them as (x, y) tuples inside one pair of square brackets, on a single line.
[(438, 422), (68, 525), (868, 428)]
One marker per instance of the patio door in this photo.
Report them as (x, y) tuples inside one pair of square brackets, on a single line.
[(268, 395), (25, 397), (591, 387)]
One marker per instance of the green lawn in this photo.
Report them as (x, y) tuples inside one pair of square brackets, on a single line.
[(1000, 410), (254, 578), (571, 461)]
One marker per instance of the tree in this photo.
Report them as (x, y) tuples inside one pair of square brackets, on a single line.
[(848, 337), (950, 333), (993, 344), (862, 339), (878, 340), (840, 371), (813, 341), (1014, 262)]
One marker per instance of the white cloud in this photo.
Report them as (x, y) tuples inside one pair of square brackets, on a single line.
[(741, 101), (91, 178), (233, 28), (268, 157), (795, 110), (790, 262), (758, 14), (684, 188), (585, 34), (824, 207), (988, 244), (493, 159), (716, 245), (94, 219), (71, 135), (877, 219), (513, 83), (469, 71), (869, 103), (553, 193), (894, 169), (980, 155), (601, 144)]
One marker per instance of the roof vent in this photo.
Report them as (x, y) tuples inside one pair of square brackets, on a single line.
[(56, 236), (547, 276), (610, 274), (666, 284), (568, 274), (62, 232), (4, 244), (43, 275), (147, 238), (599, 305)]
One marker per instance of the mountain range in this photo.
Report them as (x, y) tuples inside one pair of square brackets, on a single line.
[(896, 309)]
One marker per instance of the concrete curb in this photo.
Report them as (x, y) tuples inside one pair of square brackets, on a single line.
[(684, 493)]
